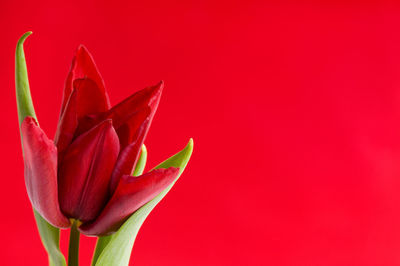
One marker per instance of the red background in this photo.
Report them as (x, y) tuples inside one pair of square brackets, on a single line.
[(294, 109)]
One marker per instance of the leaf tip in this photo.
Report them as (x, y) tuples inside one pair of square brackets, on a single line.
[(189, 147), (144, 149), (191, 142), (23, 37)]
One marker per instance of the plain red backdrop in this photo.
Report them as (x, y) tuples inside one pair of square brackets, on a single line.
[(294, 110)]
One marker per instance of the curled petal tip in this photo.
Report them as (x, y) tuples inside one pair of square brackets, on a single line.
[(157, 90), (82, 47), (160, 84)]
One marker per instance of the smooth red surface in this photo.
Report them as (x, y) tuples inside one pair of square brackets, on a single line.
[(40, 171), (294, 109)]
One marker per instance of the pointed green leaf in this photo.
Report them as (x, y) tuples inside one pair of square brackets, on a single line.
[(24, 100), (49, 234), (101, 244), (141, 162), (118, 250), (103, 241), (50, 237)]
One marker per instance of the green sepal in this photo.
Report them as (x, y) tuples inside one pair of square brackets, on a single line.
[(49, 234), (118, 250)]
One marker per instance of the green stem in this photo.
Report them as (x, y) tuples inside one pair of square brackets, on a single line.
[(73, 251)]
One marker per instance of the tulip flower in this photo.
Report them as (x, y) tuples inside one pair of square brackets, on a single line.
[(86, 173), (90, 177)]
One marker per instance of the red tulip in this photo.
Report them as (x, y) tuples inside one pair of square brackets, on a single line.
[(85, 174)]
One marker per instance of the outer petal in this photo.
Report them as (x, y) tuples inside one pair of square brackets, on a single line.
[(125, 114), (83, 66), (132, 119), (84, 173), (131, 193), (41, 173), (85, 100), (128, 157)]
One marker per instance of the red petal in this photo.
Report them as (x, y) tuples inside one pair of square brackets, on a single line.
[(83, 66), (91, 99), (132, 119), (128, 157), (67, 125), (86, 99), (41, 173), (128, 115), (125, 113), (136, 126), (132, 193), (85, 171)]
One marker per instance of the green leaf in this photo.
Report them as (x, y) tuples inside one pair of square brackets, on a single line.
[(103, 241), (49, 234), (100, 246), (24, 99), (141, 162), (118, 250)]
